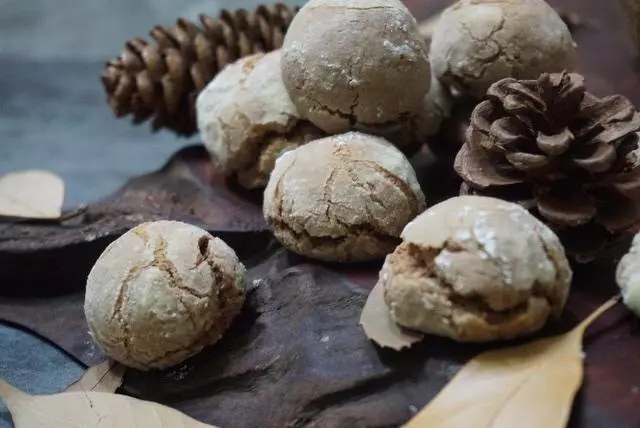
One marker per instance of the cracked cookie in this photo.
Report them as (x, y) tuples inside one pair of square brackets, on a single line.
[(409, 133), (349, 63), (246, 119), (343, 198), (628, 276), (476, 43), (161, 292), (476, 269)]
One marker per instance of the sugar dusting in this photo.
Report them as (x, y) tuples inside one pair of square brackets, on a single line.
[(179, 372), (485, 234), (402, 50), (346, 138), (462, 235), (295, 51), (443, 260), (484, 231)]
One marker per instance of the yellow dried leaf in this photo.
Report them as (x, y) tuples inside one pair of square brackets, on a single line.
[(89, 409), (104, 377), (529, 385), (379, 327), (31, 194)]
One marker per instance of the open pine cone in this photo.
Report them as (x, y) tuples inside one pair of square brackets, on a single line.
[(568, 156), (162, 80)]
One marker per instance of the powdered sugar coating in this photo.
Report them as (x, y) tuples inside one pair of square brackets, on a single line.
[(348, 62), (486, 268), (161, 292), (475, 44), (342, 198), (246, 118), (628, 276)]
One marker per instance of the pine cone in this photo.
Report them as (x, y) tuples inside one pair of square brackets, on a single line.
[(162, 80), (569, 157)]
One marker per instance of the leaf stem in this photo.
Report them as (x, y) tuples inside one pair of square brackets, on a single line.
[(595, 314)]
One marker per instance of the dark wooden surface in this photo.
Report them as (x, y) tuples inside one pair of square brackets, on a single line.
[(323, 383)]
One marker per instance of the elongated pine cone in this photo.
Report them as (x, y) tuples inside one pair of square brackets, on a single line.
[(162, 80), (566, 155)]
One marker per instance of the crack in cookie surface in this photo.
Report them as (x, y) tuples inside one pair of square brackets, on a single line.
[(412, 261)]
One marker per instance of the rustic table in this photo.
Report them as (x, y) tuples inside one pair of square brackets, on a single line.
[(53, 115)]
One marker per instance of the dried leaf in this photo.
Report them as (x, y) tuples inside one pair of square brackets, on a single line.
[(379, 327), (31, 194), (89, 409), (104, 377), (516, 386)]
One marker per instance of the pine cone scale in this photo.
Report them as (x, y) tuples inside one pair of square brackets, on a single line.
[(599, 160), (566, 208), (557, 144), (476, 168), (171, 92), (206, 59), (162, 39), (578, 155), (145, 88), (137, 83), (131, 60), (153, 64), (628, 184), (528, 162), (200, 76), (125, 87), (618, 213), (508, 132)]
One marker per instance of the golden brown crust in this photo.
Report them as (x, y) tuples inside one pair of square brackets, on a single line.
[(476, 269), (244, 113), (355, 62), (342, 198), (477, 43), (162, 292)]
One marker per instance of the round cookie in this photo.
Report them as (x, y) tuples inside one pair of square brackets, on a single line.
[(246, 119), (476, 43), (476, 269), (628, 276), (161, 292), (342, 198), (411, 132), (355, 62)]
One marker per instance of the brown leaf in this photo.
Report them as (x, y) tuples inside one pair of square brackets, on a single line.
[(103, 377), (31, 194), (89, 409), (379, 327), (534, 383)]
